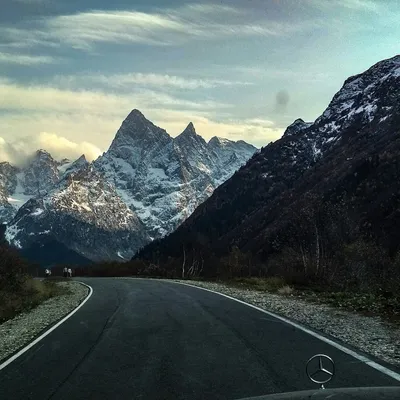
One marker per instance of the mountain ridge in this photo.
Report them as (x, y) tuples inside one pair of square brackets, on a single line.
[(149, 178), (306, 185)]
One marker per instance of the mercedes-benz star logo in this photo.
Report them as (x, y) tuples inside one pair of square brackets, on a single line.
[(320, 369)]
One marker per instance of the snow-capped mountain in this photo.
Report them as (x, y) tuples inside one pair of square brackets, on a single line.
[(163, 179), (84, 212), (229, 155), (142, 188), (296, 127), (18, 185), (349, 155), (67, 167)]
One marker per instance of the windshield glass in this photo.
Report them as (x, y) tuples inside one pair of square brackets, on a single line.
[(197, 197)]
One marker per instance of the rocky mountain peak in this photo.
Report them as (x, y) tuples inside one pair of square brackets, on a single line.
[(72, 167), (40, 174), (297, 126), (345, 158), (142, 188), (6, 167), (217, 141), (189, 137), (135, 114), (81, 159), (136, 125), (136, 136), (85, 213), (64, 161), (367, 98), (42, 154), (189, 130)]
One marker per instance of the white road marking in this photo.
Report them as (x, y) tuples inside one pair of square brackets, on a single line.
[(42, 336), (338, 346)]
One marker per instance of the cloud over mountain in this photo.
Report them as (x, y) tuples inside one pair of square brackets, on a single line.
[(19, 151)]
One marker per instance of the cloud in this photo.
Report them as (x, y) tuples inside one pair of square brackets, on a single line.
[(25, 59), (51, 99), (8, 152), (60, 147), (355, 5), (19, 151), (28, 37), (34, 2), (252, 73), (83, 30), (77, 127), (65, 122), (68, 121), (84, 115), (208, 9), (121, 81), (257, 131)]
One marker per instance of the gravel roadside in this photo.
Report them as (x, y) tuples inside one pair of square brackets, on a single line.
[(372, 335), (19, 331)]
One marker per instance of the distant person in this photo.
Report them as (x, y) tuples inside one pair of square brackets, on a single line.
[(70, 272), (47, 272), (65, 272)]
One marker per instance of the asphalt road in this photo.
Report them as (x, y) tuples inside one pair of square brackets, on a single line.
[(147, 339)]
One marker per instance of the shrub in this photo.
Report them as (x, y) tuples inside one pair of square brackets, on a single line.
[(30, 294), (271, 284), (12, 269), (285, 290)]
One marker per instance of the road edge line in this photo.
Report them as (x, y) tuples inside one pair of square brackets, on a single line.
[(43, 335), (373, 364)]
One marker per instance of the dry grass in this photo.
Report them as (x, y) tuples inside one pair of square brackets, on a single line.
[(272, 284), (285, 290), (385, 304), (32, 293)]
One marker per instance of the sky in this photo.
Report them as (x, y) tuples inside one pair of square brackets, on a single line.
[(72, 70)]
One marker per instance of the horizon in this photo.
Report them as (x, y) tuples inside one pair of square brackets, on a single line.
[(71, 73), (28, 157)]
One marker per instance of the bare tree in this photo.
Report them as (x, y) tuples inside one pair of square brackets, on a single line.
[(184, 263)]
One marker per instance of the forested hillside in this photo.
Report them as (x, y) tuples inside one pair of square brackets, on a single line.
[(320, 204)]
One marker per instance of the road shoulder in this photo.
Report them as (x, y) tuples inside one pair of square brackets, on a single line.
[(25, 327), (371, 335)]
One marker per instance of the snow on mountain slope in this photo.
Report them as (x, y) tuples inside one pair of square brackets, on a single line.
[(83, 212), (142, 188), (8, 184), (163, 178), (18, 185), (296, 127), (230, 156), (36, 178), (195, 149), (41, 174), (74, 166), (336, 158)]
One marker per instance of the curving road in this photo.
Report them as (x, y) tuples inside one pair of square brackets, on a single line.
[(147, 339)]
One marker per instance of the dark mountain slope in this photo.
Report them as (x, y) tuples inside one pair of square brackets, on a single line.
[(50, 252), (332, 181)]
